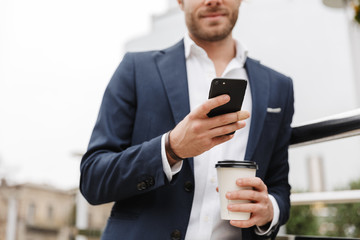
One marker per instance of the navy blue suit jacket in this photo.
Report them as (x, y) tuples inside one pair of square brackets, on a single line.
[(148, 96)]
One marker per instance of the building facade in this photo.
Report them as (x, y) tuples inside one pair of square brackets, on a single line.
[(40, 212)]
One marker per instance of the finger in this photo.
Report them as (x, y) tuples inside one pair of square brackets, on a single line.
[(243, 223), (223, 130), (242, 207), (226, 119), (250, 195), (254, 182), (254, 220), (210, 104), (221, 139), (223, 119), (242, 115)]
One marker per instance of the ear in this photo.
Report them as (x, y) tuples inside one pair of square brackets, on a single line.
[(181, 4)]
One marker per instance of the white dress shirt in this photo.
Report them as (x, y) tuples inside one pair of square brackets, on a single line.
[(205, 222)]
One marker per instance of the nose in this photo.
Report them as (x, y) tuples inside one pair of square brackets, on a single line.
[(212, 3)]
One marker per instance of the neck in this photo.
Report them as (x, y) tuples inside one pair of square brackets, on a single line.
[(220, 52)]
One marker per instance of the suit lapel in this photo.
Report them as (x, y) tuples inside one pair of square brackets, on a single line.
[(260, 91), (172, 68)]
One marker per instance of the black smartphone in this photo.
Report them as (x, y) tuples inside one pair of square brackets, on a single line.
[(235, 88)]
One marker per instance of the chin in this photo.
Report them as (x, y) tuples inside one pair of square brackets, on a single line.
[(216, 34)]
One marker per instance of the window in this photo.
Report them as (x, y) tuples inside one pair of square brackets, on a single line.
[(31, 213), (50, 213)]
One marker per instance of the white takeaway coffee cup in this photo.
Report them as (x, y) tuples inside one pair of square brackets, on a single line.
[(228, 172)]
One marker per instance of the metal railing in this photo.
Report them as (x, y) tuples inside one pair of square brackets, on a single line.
[(334, 127), (312, 238), (338, 126)]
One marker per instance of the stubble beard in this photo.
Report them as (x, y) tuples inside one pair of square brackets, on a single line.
[(210, 33)]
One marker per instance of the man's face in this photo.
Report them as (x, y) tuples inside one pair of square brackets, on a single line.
[(210, 20)]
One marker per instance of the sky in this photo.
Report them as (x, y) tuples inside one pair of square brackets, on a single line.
[(56, 58)]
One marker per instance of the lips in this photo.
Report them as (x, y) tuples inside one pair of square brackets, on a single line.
[(213, 14)]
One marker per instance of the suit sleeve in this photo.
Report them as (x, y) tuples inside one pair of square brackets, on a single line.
[(114, 167)]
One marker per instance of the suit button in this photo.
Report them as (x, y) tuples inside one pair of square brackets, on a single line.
[(176, 235), (189, 186), (141, 186), (150, 182)]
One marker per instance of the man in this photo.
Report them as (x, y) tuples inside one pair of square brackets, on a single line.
[(163, 182)]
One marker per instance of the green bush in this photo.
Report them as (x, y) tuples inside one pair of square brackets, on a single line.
[(340, 220), (302, 221)]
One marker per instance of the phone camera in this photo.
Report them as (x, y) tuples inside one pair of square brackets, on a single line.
[(216, 82)]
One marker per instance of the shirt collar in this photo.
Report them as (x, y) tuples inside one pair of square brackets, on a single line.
[(192, 49)]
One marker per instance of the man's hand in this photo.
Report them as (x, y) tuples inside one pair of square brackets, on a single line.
[(197, 133), (260, 205)]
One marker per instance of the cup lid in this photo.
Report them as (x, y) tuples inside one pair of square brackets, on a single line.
[(236, 164)]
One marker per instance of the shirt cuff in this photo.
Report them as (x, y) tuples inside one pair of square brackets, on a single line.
[(260, 230), (168, 170)]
